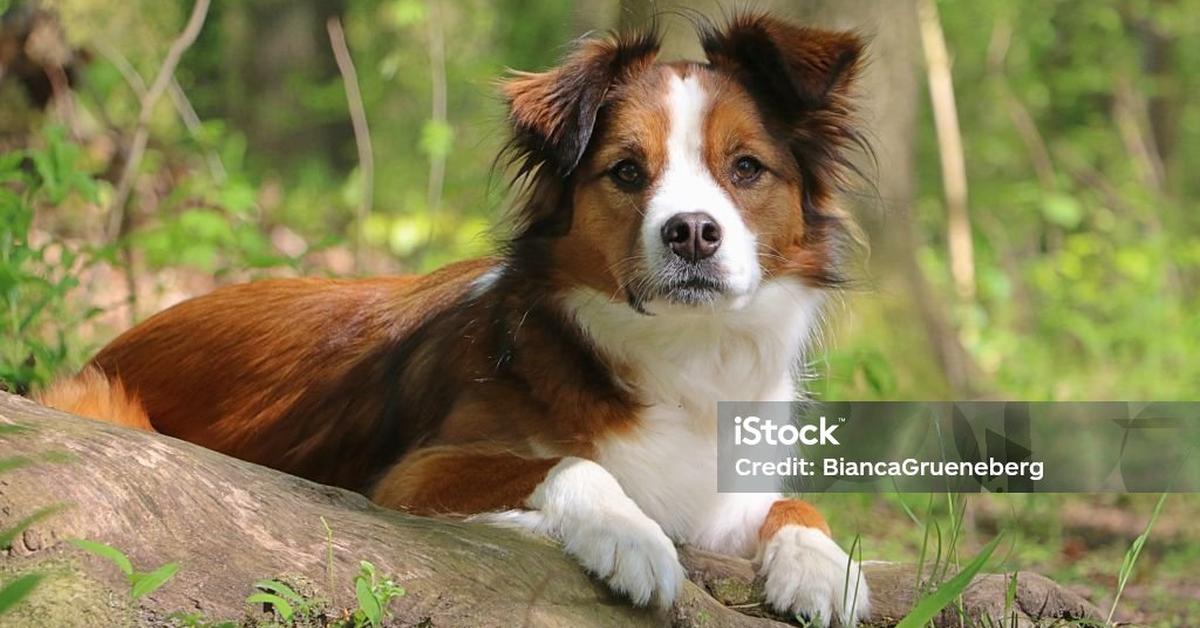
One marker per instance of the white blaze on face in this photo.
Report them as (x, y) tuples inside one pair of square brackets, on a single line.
[(687, 185)]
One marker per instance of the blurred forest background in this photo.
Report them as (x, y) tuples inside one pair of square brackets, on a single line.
[(1034, 228)]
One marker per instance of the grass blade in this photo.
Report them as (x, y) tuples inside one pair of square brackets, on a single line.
[(929, 606), (1010, 600), (107, 552), (13, 592), (147, 583), (12, 428), (1131, 556), (7, 536), (14, 462)]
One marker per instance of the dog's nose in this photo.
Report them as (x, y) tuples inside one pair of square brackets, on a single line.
[(692, 235)]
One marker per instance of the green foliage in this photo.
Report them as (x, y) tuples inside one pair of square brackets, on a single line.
[(140, 583), (287, 604), (1087, 270), (35, 278), (374, 595), (281, 606)]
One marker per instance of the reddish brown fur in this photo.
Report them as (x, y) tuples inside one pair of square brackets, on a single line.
[(446, 479), (787, 512), (93, 395)]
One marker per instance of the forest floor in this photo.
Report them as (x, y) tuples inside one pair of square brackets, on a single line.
[(1079, 541)]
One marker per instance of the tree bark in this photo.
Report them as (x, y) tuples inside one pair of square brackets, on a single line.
[(229, 523)]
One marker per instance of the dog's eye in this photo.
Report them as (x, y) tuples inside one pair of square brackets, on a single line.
[(627, 174), (746, 169)]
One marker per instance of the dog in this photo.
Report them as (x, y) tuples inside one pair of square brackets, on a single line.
[(675, 240)]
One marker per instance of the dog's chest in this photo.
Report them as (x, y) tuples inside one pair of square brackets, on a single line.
[(680, 369), (668, 466)]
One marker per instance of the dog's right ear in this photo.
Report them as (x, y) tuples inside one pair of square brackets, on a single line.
[(553, 113)]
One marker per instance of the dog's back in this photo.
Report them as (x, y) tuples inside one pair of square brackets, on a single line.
[(290, 373)]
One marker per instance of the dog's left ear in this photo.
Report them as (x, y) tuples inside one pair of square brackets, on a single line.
[(803, 80), (792, 70), (553, 113)]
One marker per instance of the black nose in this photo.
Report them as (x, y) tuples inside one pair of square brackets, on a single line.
[(692, 235)]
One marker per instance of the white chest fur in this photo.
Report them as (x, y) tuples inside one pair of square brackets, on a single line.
[(683, 363)]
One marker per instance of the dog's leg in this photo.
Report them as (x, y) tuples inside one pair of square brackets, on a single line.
[(806, 572), (573, 500)]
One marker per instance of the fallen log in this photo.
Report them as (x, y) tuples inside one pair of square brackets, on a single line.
[(229, 524)]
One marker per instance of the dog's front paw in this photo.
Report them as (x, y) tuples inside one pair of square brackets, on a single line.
[(807, 574), (583, 507), (630, 552)]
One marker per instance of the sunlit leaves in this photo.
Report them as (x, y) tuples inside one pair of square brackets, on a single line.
[(436, 138)]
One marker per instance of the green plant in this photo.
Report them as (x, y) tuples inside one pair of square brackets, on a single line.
[(141, 583), (1131, 557), (35, 278), (853, 556), (284, 600), (374, 595), (328, 559), (931, 604), (16, 590)]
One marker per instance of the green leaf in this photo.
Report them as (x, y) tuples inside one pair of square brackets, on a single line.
[(367, 602), (107, 552), (10, 164), (280, 605), (279, 588), (147, 583), (929, 606), (1062, 210), (16, 590), (1131, 557), (436, 138)]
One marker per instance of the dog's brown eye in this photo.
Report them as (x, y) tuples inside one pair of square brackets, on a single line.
[(627, 174), (747, 169)]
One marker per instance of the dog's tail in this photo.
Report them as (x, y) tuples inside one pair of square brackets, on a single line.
[(93, 395)]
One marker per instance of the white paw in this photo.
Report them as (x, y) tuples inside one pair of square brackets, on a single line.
[(582, 505), (806, 575), (630, 553)]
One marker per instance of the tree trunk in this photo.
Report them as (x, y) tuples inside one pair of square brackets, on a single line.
[(229, 523)]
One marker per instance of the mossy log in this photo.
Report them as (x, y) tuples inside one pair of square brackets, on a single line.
[(229, 523)]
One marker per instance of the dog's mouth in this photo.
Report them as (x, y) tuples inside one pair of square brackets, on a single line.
[(693, 285), (694, 291)]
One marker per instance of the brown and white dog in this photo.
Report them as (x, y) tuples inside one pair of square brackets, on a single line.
[(674, 242)]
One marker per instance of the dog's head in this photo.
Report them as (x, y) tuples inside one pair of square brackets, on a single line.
[(684, 184)]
